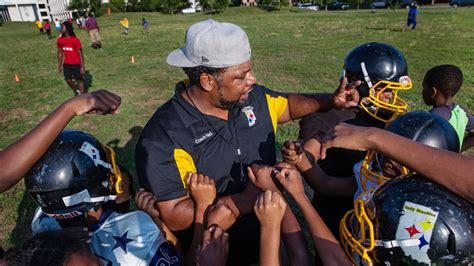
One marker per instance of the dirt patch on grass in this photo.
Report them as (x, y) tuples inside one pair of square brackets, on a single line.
[(12, 114)]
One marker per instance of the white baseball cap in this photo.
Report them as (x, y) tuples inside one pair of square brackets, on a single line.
[(212, 44)]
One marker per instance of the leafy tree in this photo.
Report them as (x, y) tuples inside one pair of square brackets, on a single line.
[(80, 6)]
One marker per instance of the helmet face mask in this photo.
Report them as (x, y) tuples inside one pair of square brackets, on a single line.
[(75, 175), (382, 70)]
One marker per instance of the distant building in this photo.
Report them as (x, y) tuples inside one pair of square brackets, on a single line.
[(30, 10), (24, 10), (249, 2)]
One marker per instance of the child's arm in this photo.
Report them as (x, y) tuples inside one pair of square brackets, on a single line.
[(270, 208), (19, 157), (318, 180), (145, 201), (203, 191), (214, 247), (328, 247), (295, 243), (449, 169), (81, 56), (60, 60)]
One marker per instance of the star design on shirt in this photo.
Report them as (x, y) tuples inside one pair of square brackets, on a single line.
[(412, 230), (121, 242), (423, 242)]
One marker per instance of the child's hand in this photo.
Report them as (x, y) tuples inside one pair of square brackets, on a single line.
[(220, 214), (270, 208), (214, 247), (261, 177), (290, 178), (145, 201), (202, 189), (292, 151), (97, 102)]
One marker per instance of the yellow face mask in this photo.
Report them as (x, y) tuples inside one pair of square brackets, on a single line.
[(357, 234), (367, 173), (115, 176), (386, 110)]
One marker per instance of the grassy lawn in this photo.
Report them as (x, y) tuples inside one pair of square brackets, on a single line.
[(293, 50)]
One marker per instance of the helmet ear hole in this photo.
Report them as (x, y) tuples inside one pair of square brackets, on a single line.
[(451, 243), (75, 170)]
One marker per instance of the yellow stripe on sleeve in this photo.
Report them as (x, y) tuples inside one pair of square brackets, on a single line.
[(276, 107), (185, 165)]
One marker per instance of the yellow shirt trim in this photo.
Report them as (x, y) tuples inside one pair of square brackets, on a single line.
[(276, 107), (185, 165)]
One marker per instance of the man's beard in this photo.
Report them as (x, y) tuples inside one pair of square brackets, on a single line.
[(229, 105)]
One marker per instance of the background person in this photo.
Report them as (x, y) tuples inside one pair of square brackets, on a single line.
[(71, 58)]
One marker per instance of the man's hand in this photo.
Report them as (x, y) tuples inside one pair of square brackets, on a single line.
[(220, 214), (83, 71), (60, 69), (261, 177), (290, 178), (202, 189), (348, 137), (292, 151), (214, 247), (97, 102), (270, 208), (346, 96), (145, 201)]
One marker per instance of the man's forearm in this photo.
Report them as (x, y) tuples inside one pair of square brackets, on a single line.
[(303, 104), (180, 216)]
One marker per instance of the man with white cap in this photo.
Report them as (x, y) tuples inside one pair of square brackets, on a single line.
[(219, 123)]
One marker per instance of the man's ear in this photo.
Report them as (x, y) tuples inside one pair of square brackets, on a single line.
[(207, 81)]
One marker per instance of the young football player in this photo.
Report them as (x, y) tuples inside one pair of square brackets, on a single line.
[(383, 72), (73, 180), (440, 85), (19, 157)]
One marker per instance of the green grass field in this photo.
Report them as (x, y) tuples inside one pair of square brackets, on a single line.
[(293, 50)]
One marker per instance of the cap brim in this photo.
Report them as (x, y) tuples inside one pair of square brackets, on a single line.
[(177, 58)]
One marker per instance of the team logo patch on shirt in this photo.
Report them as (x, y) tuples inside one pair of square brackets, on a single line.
[(251, 118)]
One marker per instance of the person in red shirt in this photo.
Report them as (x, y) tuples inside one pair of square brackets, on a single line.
[(70, 58)]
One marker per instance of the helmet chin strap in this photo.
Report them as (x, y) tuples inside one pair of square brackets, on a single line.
[(366, 75), (397, 243), (101, 199)]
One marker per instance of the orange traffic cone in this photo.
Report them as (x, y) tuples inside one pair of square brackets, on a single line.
[(17, 78), (133, 59)]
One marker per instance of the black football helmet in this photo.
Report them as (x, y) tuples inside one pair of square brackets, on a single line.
[(77, 173), (419, 126), (382, 69), (412, 221)]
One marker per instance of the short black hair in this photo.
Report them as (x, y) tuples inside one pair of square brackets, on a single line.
[(445, 78), (194, 73), (47, 248)]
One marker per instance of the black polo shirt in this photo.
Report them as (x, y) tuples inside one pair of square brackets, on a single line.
[(179, 140)]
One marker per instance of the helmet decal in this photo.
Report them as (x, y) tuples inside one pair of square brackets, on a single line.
[(417, 222), (93, 153)]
